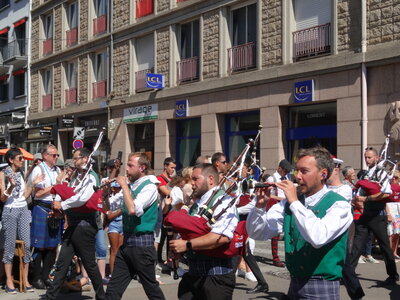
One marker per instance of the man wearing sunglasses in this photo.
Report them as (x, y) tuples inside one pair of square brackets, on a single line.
[(219, 161), (43, 238)]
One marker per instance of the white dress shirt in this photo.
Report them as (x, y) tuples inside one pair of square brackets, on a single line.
[(147, 196), (343, 190), (262, 225), (227, 223), (276, 177), (50, 178)]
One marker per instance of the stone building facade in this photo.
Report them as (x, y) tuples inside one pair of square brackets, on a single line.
[(230, 80)]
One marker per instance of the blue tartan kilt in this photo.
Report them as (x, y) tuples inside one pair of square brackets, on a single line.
[(42, 236)]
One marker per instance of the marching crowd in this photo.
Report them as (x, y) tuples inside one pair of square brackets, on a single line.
[(329, 217)]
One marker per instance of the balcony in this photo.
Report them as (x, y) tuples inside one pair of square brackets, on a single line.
[(99, 89), (72, 37), (140, 80), (144, 8), (312, 41), (15, 53), (242, 57), (188, 69), (100, 25), (70, 96), (46, 102), (48, 46)]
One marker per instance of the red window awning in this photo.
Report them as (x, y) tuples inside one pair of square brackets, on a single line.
[(20, 22), (4, 30), (3, 78), (19, 72)]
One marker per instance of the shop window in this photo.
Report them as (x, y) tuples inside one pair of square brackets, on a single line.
[(242, 55), (312, 125), (240, 128), (144, 139), (188, 67), (188, 142)]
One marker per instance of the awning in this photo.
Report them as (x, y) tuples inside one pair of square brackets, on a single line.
[(20, 22), (4, 30), (19, 72)]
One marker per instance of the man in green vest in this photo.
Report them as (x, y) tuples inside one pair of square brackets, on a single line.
[(80, 236), (315, 223), (208, 277), (137, 255)]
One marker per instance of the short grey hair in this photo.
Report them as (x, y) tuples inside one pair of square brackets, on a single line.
[(346, 170)]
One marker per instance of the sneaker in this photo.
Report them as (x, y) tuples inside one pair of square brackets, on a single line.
[(240, 273), (371, 260), (250, 277), (361, 260), (181, 272), (106, 280)]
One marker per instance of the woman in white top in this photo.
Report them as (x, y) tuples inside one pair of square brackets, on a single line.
[(16, 217)]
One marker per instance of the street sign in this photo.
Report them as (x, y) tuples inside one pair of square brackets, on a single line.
[(79, 133), (77, 144)]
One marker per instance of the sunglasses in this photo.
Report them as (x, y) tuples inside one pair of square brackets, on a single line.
[(223, 161), (20, 158), (369, 148), (54, 155)]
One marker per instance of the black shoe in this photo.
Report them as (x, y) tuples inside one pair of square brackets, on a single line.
[(260, 288), (39, 284), (391, 280), (48, 282)]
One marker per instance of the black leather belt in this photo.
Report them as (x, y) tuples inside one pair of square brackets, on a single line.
[(43, 204)]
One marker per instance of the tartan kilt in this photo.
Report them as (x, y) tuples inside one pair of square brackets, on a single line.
[(314, 287), (41, 234)]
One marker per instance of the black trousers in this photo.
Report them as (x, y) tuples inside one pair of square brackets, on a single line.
[(129, 262), (79, 240), (216, 287), (252, 263), (378, 225)]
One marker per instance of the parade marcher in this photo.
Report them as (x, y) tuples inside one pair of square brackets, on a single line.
[(16, 217), (393, 209), (314, 223), (208, 277), (139, 213), (43, 238), (282, 173), (374, 218), (219, 161), (334, 183), (164, 178), (349, 175), (80, 236)]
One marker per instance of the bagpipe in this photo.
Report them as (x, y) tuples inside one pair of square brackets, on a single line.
[(383, 173), (190, 227), (65, 191)]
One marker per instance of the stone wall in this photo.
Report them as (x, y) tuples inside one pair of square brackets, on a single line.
[(121, 70), (83, 20), (121, 13), (57, 86), (34, 106), (162, 5), (383, 21), (58, 29), (163, 54), (211, 44), (271, 39), (35, 39), (348, 25), (83, 79), (35, 4)]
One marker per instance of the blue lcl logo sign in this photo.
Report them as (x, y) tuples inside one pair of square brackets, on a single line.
[(154, 81), (181, 108), (304, 91)]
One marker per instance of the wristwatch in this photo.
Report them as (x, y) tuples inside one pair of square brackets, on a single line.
[(189, 245)]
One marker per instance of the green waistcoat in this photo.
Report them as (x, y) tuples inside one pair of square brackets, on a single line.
[(302, 259), (144, 224)]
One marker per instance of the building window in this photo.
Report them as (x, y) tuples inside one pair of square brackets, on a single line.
[(3, 44), (100, 21), (71, 81), (100, 75), (144, 48), (48, 35), (242, 55), (239, 129), (188, 142), (20, 46), (189, 49), (72, 19), (19, 83), (47, 90), (4, 4), (3, 88), (144, 8), (313, 28), (143, 140)]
